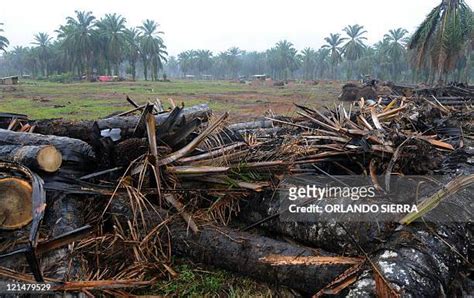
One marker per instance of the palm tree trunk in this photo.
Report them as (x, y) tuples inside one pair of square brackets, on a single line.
[(117, 68), (134, 70), (155, 70), (145, 69), (349, 70), (465, 72)]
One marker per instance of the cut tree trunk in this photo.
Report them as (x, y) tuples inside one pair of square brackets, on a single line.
[(263, 210), (81, 130), (301, 268), (15, 203), (127, 124), (417, 261), (345, 232), (90, 131), (263, 123), (277, 262), (45, 157), (65, 214), (74, 152)]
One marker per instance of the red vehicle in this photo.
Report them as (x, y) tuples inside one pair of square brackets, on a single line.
[(107, 78)]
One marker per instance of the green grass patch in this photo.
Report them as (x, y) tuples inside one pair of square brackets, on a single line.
[(193, 281), (84, 100)]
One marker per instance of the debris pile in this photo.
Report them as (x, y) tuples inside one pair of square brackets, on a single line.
[(102, 206)]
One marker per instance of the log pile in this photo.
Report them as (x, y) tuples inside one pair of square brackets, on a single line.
[(103, 206)]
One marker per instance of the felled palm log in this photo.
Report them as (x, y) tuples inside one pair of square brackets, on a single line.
[(117, 127), (74, 151), (266, 259), (331, 230), (251, 125), (15, 203), (63, 216), (28, 181), (264, 211), (44, 157), (417, 261)]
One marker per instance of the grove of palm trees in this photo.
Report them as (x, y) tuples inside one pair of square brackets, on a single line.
[(439, 50), (86, 46)]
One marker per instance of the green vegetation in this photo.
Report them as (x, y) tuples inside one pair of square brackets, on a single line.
[(44, 99), (355, 47), (85, 46), (193, 281), (3, 40), (334, 42), (445, 40)]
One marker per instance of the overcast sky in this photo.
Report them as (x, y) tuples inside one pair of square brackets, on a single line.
[(218, 25)]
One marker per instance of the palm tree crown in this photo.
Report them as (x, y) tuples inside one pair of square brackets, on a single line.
[(355, 46), (333, 44), (153, 49), (78, 39), (309, 61), (111, 31), (43, 42), (3, 40), (397, 41), (439, 41)]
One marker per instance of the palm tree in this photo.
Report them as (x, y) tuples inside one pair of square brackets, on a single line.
[(382, 61), (221, 65), (132, 49), (185, 60), (309, 58), (172, 67), (439, 41), (3, 40), (397, 40), (283, 59), (153, 50), (254, 63), (43, 41), (78, 40), (18, 56), (232, 60), (111, 28), (354, 47), (203, 60), (366, 64), (334, 42), (322, 61)]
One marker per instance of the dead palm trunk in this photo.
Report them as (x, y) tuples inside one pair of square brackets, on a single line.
[(46, 158)]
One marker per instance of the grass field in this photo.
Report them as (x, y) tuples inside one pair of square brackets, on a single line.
[(39, 99), (95, 100)]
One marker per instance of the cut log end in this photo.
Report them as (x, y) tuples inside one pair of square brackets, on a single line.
[(15, 203), (49, 159)]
